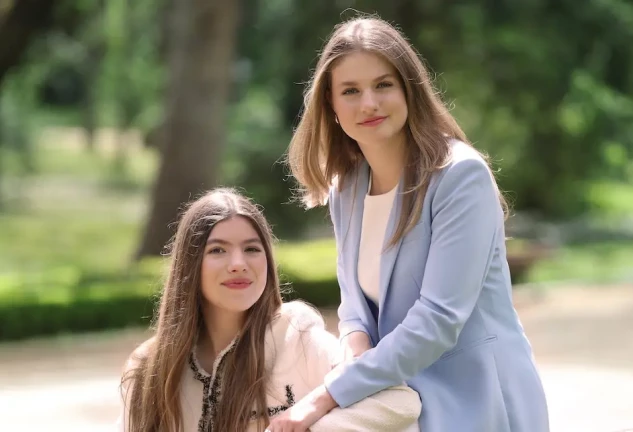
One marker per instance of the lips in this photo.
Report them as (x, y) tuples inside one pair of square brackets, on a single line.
[(373, 121), (238, 283)]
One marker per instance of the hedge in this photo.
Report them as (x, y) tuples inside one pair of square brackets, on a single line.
[(20, 321), (67, 300), (27, 318)]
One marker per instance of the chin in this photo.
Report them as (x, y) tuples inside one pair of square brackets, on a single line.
[(240, 307), (376, 138)]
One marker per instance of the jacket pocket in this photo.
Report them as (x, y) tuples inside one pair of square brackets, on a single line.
[(467, 346)]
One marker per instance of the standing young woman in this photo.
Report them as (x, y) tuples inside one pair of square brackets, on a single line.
[(419, 224), (227, 354)]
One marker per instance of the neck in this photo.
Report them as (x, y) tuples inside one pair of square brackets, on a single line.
[(386, 161), (220, 328)]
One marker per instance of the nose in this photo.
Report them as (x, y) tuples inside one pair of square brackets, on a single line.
[(237, 263), (369, 102)]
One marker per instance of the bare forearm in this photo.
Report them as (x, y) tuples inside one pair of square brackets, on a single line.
[(355, 343), (323, 400)]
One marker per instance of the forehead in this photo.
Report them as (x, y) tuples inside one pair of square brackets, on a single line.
[(234, 229), (359, 67)]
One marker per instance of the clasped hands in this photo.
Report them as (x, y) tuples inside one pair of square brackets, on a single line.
[(319, 402)]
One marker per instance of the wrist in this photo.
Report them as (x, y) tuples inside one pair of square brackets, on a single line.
[(357, 342), (324, 400)]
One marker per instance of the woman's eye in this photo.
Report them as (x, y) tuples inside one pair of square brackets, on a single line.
[(350, 91), (253, 249), (216, 250), (384, 84)]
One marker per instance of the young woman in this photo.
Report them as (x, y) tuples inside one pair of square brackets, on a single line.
[(227, 355), (419, 224)]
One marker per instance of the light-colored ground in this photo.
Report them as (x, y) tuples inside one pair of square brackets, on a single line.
[(582, 338)]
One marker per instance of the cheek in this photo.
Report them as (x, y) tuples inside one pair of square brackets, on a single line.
[(403, 103), (397, 101), (210, 267), (404, 114), (347, 113), (209, 272), (260, 268), (345, 110), (398, 106)]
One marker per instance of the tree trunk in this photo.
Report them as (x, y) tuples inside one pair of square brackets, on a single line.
[(202, 41), (20, 22), (89, 100)]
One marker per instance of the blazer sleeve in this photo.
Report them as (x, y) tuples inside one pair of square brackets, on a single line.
[(466, 216), (349, 321), (394, 409)]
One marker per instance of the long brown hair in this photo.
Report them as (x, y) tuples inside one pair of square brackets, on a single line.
[(320, 152), (154, 404)]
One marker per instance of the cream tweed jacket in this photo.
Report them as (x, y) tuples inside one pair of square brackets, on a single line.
[(300, 352)]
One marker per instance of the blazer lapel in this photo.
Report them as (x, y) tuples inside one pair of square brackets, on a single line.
[(351, 247), (388, 259)]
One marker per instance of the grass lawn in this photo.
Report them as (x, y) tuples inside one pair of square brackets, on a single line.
[(596, 263)]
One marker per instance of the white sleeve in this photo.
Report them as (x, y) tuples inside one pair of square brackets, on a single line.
[(394, 409), (122, 424), (125, 394)]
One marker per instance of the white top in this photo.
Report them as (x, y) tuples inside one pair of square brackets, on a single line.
[(372, 238)]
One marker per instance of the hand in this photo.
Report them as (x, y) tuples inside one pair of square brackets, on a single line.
[(305, 413)]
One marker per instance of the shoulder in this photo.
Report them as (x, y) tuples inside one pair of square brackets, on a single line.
[(336, 191), (138, 355), (343, 184), (297, 316), (465, 167), (465, 154), (299, 329)]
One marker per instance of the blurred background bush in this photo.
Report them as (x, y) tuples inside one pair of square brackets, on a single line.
[(113, 114)]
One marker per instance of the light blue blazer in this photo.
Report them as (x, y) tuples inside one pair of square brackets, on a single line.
[(446, 324)]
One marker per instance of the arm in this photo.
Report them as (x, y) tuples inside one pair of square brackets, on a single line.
[(133, 361), (122, 424), (466, 217), (349, 321), (394, 409)]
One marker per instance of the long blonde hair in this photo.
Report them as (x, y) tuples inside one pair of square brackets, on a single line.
[(321, 152), (155, 382)]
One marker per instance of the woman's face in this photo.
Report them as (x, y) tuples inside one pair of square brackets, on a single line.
[(234, 267), (368, 99)]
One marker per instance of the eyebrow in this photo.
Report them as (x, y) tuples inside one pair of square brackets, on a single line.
[(224, 242), (353, 83)]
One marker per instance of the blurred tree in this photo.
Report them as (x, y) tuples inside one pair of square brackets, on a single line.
[(133, 76), (544, 87), (20, 22), (90, 69), (201, 44), (558, 84)]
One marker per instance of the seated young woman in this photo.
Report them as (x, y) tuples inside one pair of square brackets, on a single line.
[(227, 354)]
